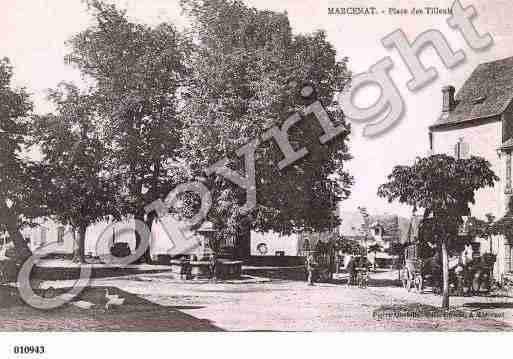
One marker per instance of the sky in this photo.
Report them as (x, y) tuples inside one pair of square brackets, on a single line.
[(34, 32)]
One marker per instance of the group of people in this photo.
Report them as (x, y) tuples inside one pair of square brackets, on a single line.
[(186, 270), (467, 274), (353, 265)]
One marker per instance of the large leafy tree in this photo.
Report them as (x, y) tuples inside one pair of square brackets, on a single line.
[(137, 72), (248, 72), (443, 187), (17, 195), (76, 184)]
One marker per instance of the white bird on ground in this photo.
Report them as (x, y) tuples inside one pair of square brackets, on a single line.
[(112, 300), (83, 304)]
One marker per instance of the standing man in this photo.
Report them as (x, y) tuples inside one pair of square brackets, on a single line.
[(310, 267), (212, 266), (351, 270)]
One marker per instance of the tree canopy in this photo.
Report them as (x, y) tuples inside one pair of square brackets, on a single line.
[(439, 184), (16, 175), (164, 105), (444, 187), (248, 70), (75, 182), (137, 72)]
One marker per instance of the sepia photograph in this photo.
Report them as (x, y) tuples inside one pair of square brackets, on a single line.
[(254, 166)]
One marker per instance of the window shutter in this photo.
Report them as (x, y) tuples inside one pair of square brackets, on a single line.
[(508, 171), (461, 150), (457, 150), (464, 150)]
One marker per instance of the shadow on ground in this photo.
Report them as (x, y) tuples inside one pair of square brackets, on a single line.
[(291, 273), (384, 282), (489, 305), (136, 314)]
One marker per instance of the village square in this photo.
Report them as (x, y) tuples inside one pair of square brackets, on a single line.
[(202, 180)]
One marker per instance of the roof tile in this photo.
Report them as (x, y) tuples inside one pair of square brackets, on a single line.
[(486, 93)]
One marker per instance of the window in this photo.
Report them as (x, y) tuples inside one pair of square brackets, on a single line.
[(461, 149), (508, 171)]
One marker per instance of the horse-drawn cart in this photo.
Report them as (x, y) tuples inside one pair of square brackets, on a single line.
[(324, 261), (471, 276), (411, 275), (422, 273)]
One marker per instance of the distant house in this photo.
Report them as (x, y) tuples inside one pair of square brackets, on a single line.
[(48, 237), (383, 230), (478, 121), (351, 225)]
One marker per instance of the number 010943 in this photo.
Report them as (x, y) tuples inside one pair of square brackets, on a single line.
[(29, 349)]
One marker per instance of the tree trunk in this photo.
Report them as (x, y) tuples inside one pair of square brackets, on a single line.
[(76, 245), (80, 244), (21, 247), (243, 240), (146, 257), (149, 222), (445, 276)]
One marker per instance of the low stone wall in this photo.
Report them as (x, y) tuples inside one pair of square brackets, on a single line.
[(276, 261), (73, 273), (225, 269)]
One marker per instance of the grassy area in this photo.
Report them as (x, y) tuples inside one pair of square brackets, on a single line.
[(136, 314)]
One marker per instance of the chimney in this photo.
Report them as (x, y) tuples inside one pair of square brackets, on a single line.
[(448, 98)]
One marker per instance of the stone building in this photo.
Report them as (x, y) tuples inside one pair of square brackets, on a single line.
[(478, 121)]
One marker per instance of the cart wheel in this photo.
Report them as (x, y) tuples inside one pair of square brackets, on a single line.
[(419, 283), (409, 280)]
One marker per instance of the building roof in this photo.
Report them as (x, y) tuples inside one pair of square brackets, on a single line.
[(393, 225), (486, 93)]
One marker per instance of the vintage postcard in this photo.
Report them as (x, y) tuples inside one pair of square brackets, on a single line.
[(254, 165)]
